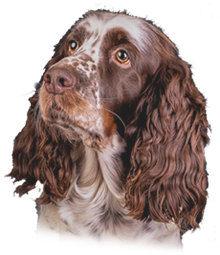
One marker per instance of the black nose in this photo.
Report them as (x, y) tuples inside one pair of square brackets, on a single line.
[(58, 80)]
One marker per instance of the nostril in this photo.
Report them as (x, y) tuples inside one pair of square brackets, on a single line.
[(65, 80), (47, 78), (61, 82)]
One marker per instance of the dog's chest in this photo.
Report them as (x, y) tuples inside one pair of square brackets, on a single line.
[(95, 204)]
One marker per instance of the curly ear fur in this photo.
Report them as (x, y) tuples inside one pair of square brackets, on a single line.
[(167, 180), (41, 154)]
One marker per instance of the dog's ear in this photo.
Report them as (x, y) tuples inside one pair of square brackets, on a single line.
[(167, 181), (42, 154)]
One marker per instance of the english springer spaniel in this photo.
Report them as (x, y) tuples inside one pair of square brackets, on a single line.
[(116, 133)]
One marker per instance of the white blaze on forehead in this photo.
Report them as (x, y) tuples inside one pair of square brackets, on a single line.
[(135, 27), (99, 25)]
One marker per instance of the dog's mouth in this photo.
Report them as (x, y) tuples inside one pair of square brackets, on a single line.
[(74, 127), (78, 116)]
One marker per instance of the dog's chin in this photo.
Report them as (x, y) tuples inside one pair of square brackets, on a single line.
[(80, 135), (72, 131)]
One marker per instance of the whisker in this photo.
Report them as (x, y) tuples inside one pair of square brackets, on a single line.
[(102, 98), (115, 115)]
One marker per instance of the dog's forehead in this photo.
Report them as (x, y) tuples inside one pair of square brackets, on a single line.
[(97, 26)]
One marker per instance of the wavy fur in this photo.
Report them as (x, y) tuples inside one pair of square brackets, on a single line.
[(95, 173)]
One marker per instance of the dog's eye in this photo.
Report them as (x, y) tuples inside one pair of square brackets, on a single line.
[(122, 56), (72, 46)]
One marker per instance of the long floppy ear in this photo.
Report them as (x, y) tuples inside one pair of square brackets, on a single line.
[(42, 154), (167, 181)]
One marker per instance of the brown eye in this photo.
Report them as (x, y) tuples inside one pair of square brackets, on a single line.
[(122, 56), (72, 46)]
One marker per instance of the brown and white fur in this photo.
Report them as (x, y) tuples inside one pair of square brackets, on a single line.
[(118, 143)]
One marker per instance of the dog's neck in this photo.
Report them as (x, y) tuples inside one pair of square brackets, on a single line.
[(98, 170), (96, 196)]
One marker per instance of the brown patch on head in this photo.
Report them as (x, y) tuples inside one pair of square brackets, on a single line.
[(119, 36), (86, 58), (84, 64), (79, 34), (75, 63), (94, 68), (118, 39)]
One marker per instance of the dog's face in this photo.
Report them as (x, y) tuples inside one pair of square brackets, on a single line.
[(95, 80)]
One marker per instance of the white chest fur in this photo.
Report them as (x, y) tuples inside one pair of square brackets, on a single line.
[(95, 204)]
